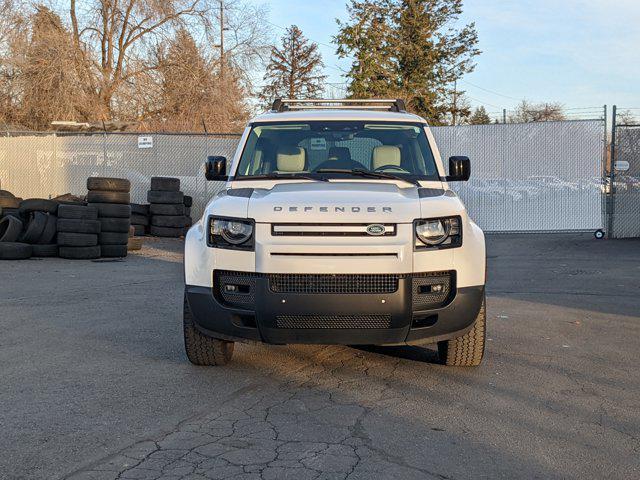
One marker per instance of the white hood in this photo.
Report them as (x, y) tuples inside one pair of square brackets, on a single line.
[(334, 202)]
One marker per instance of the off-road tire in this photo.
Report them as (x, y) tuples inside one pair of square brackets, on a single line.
[(113, 251), (69, 239), (35, 228), (166, 209), (10, 212), (112, 210), (165, 184), (78, 226), (113, 238), (103, 196), (77, 212), (10, 228), (137, 219), (38, 205), (201, 349), (15, 251), (168, 232), (175, 221), (42, 251), (139, 209), (160, 196), (118, 225), (467, 350), (49, 233), (108, 184), (79, 253)]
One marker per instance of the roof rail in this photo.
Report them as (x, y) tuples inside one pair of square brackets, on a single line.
[(287, 104)]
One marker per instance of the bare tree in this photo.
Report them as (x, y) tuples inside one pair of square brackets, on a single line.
[(13, 35), (543, 112)]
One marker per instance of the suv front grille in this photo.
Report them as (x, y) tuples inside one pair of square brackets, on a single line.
[(333, 321), (341, 284)]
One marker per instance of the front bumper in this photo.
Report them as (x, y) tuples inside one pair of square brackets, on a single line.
[(260, 312)]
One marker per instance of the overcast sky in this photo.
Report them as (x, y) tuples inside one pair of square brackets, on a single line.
[(582, 53)]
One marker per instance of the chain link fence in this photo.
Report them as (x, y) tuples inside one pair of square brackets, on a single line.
[(624, 180), (526, 177), (45, 165)]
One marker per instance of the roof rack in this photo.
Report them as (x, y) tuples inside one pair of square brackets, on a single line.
[(287, 104)]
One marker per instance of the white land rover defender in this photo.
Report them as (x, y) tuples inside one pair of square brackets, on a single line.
[(336, 226)]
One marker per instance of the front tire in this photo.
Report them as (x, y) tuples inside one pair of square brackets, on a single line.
[(467, 350), (202, 349)]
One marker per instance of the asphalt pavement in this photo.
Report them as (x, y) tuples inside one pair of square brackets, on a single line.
[(94, 382)]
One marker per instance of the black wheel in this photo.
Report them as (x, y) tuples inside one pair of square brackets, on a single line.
[(599, 234), (38, 205), (139, 209), (158, 196), (467, 350), (49, 233), (79, 253), (35, 227), (118, 225), (112, 210), (78, 212), (78, 226), (103, 196), (108, 184), (200, 348), (137, 219), (42, 251), (113, 251), (10, 228), (175, 221), (168, 232), (69, 239), (15, 251), (166, 209), (113, 238), (166, 184)]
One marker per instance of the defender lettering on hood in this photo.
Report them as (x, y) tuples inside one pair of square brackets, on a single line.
[(333, 209)]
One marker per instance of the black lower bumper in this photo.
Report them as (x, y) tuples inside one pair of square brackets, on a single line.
[(333, 318)]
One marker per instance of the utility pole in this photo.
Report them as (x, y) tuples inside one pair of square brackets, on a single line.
[(221, 39), (455, 101), (504, 115)]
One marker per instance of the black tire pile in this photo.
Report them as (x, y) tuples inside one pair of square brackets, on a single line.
[(28, 230), (140, 219), (111, 197), (166, 207), (78, 230)]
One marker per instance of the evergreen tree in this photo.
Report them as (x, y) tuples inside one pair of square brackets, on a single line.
[(294, 69), (479, 117), (408, 48)]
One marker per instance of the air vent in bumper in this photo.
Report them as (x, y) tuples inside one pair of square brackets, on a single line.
[(333, 284), (333, 321)]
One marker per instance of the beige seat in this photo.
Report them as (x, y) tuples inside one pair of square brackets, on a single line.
[(385, 155), (291, 159)]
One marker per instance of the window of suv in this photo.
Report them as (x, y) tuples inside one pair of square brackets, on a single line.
[(337, 150)]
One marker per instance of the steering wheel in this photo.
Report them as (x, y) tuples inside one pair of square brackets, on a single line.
[(383, 168)]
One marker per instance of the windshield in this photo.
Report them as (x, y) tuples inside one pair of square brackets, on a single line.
[(337, 150)]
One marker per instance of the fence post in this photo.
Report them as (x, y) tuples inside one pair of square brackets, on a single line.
[(612, 194)]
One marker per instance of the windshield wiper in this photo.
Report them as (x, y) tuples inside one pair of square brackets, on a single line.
[(359, 172), (281, 176)]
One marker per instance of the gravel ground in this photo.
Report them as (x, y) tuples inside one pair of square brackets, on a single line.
[(95, 383)]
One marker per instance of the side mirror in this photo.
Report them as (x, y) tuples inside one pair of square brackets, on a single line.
[(459, 169), (216, 168)]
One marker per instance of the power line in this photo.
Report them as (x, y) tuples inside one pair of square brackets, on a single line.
[(488, 91)]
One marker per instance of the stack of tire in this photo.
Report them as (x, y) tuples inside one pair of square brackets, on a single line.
[(78, 230), (188, 221), (111, 197), (166, 207), (140, 219), (28, 230)]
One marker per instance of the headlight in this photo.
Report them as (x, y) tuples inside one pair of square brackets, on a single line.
[(438, 232), (232, 233)]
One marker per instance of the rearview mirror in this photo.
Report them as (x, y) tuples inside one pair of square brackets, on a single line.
[(459, 169), (216, 168)]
